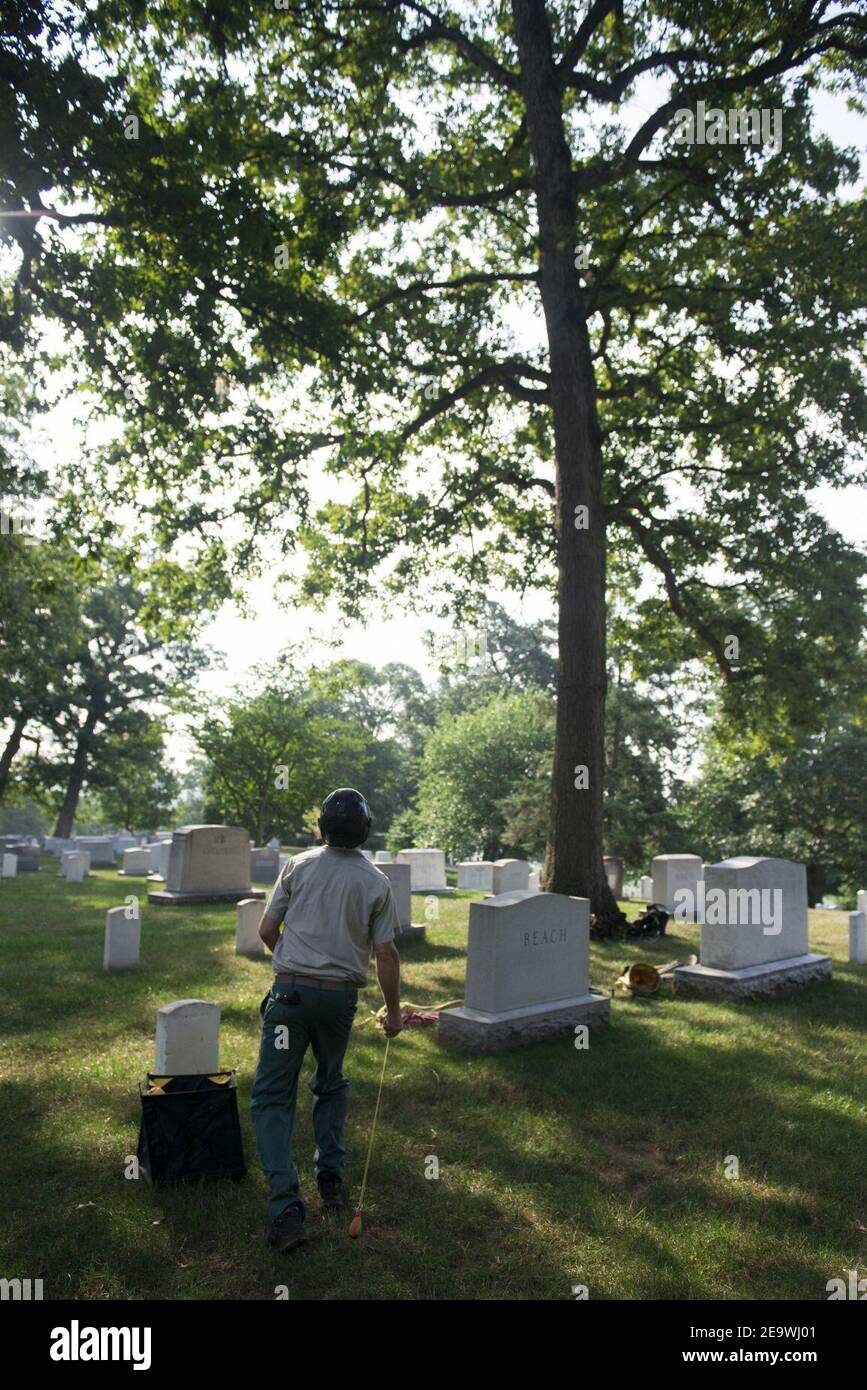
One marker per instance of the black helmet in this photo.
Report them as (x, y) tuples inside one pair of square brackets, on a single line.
[(344, 818)]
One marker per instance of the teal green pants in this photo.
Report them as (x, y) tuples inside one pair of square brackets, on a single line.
[(295, 1017)]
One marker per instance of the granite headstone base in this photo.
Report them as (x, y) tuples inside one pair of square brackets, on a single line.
[(164, 897), (773, 977), (473, 1030)]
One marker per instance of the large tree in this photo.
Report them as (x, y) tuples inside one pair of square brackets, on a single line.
[(125, 664), (364, 198)]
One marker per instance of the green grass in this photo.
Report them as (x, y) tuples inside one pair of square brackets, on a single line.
[(558, 1167)]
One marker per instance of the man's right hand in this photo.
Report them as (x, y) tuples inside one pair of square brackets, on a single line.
[(392, 1024)]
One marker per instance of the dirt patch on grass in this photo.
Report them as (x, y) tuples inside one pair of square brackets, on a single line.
[(638, 1161)]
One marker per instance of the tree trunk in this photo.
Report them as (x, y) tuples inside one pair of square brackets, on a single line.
[(815, 884), (9, 752), (574, 859), (77, 773)]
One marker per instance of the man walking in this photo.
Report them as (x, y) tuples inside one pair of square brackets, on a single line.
[(335, 907)]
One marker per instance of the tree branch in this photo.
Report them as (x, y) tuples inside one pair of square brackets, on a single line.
[(676, 594), (598, 12), (422, 286), (438, 31)]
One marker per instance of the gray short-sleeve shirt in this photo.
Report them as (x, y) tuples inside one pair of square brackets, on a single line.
[(335, 907)]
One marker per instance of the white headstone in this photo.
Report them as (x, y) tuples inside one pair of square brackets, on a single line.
[(858, 938), (74, 866), (399, 876), (476, 876), (646, 889), (511, 876), (264, 864), (158, 858), (528, 972), (188, 1038), (122, 938), (754, 911), (382, 856), (754, 940), (100, 848), (862, 901), (10, 865), (209, 860), (672, 873), (136, 863), (428, 868), (533, 885), (274, 843), (248, 942), (76, 853)]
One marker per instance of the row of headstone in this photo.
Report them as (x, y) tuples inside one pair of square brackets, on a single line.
[(528, 954), (56, 844), (99, 847), (494, 876)]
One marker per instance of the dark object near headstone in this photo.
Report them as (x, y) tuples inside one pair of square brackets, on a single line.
[(27, 856), (612, 925), (190, 1129), (651, 923)]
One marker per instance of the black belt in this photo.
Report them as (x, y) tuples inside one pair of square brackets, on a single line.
[(312, 980)]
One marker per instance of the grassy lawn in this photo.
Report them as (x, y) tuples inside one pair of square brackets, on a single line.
[(557, 1167)]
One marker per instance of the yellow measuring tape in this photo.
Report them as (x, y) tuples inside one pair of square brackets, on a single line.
[(373, 1127)]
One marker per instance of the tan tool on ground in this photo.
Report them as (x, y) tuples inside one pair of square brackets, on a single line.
[(644, 980)]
